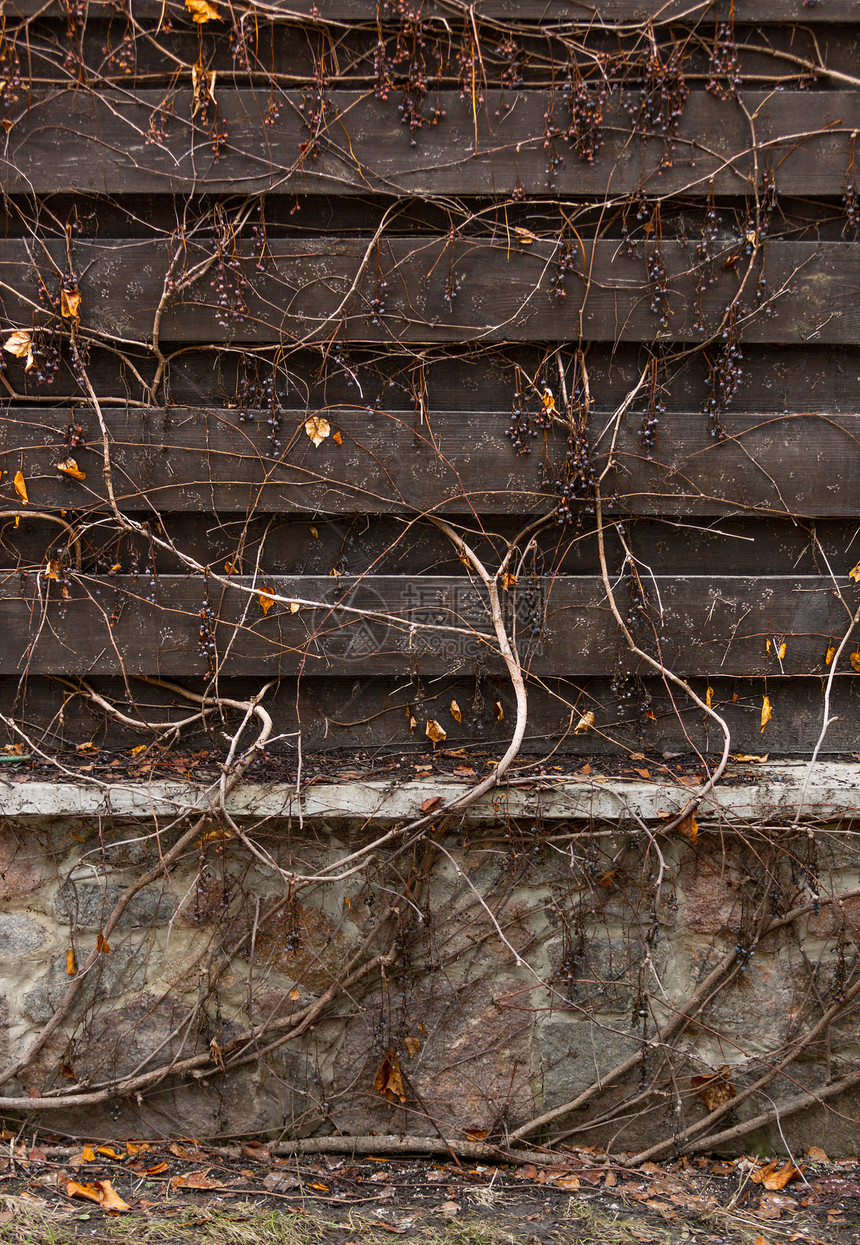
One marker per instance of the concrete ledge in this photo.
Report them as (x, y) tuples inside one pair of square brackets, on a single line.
[(772, 792)]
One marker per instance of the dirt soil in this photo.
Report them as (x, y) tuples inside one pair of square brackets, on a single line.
[(187, 1194)]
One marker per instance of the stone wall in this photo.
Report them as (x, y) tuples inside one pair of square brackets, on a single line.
[(521, 963)]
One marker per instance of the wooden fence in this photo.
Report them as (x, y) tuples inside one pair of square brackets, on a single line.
[(283, 285)]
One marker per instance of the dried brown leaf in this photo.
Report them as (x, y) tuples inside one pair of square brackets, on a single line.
[(389, 1078), (585, 723), (434, 732), (70, 468), (767, 710), (318, 428), (454, 709), (20, 486)]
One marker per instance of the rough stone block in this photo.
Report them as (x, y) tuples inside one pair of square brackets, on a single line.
[(20, 937), (88, 904), (120, 972)]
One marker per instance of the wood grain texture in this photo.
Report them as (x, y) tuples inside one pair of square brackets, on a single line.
[(97, 142), (365, 719), (320, 289), (188, 459), (375, 625)]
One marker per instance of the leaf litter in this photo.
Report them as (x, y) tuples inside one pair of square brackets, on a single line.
[(186, 1192)]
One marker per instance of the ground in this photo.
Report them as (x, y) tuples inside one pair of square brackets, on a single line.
[(184, 1194)]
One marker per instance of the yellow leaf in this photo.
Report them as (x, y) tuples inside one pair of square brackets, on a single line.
[(830, 654), (19, 344), (815, 1154), (70, 468), (294, 607), (585, 723), (202, 11), (21, 487), (267, 599), (318, 428), (295, 994), (781, 650), (434, 732), (71, 967), (337, 438), (137, 751), (855, 661), (767, 646), (102, 945), (314, 533), (548, 401), (767, 711), (111, 1153), (87, 747), (854, 573), (230, 568), (413, 1046), (413, 722), (525, 237), (709, 697), (750, 757), (455, 711), (88, 1154), (498, 710), (508, 580), (689, 828), (52, 570), (70, 301)]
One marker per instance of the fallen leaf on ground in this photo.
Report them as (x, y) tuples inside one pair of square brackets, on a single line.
[(101, 1192), (689, 828), (196, 1180)]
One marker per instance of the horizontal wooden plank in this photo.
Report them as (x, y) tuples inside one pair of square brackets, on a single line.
[(319, 289), (188, 459), (396, 625), (101, 143), (367, 720), (576, 13), (776, 379)]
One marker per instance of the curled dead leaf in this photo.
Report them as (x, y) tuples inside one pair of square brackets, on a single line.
[(854, 573), (585, 723), (100, 1191), (498, 710), (709, 696), (389, 1078), (715, 1090), (855, 661), (266, 597), (829, 655), (70, 303), (70, 468), (434, 732), (781, 650), (71, 967), (508, 580), (203, 87), (52, 570), (337, 437), (455, 711), (295, 994), (689, 828), (749, 757), (202, 11), (20, 486), (413, 1045), (548, 401), (318, 428), (767, 710)]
